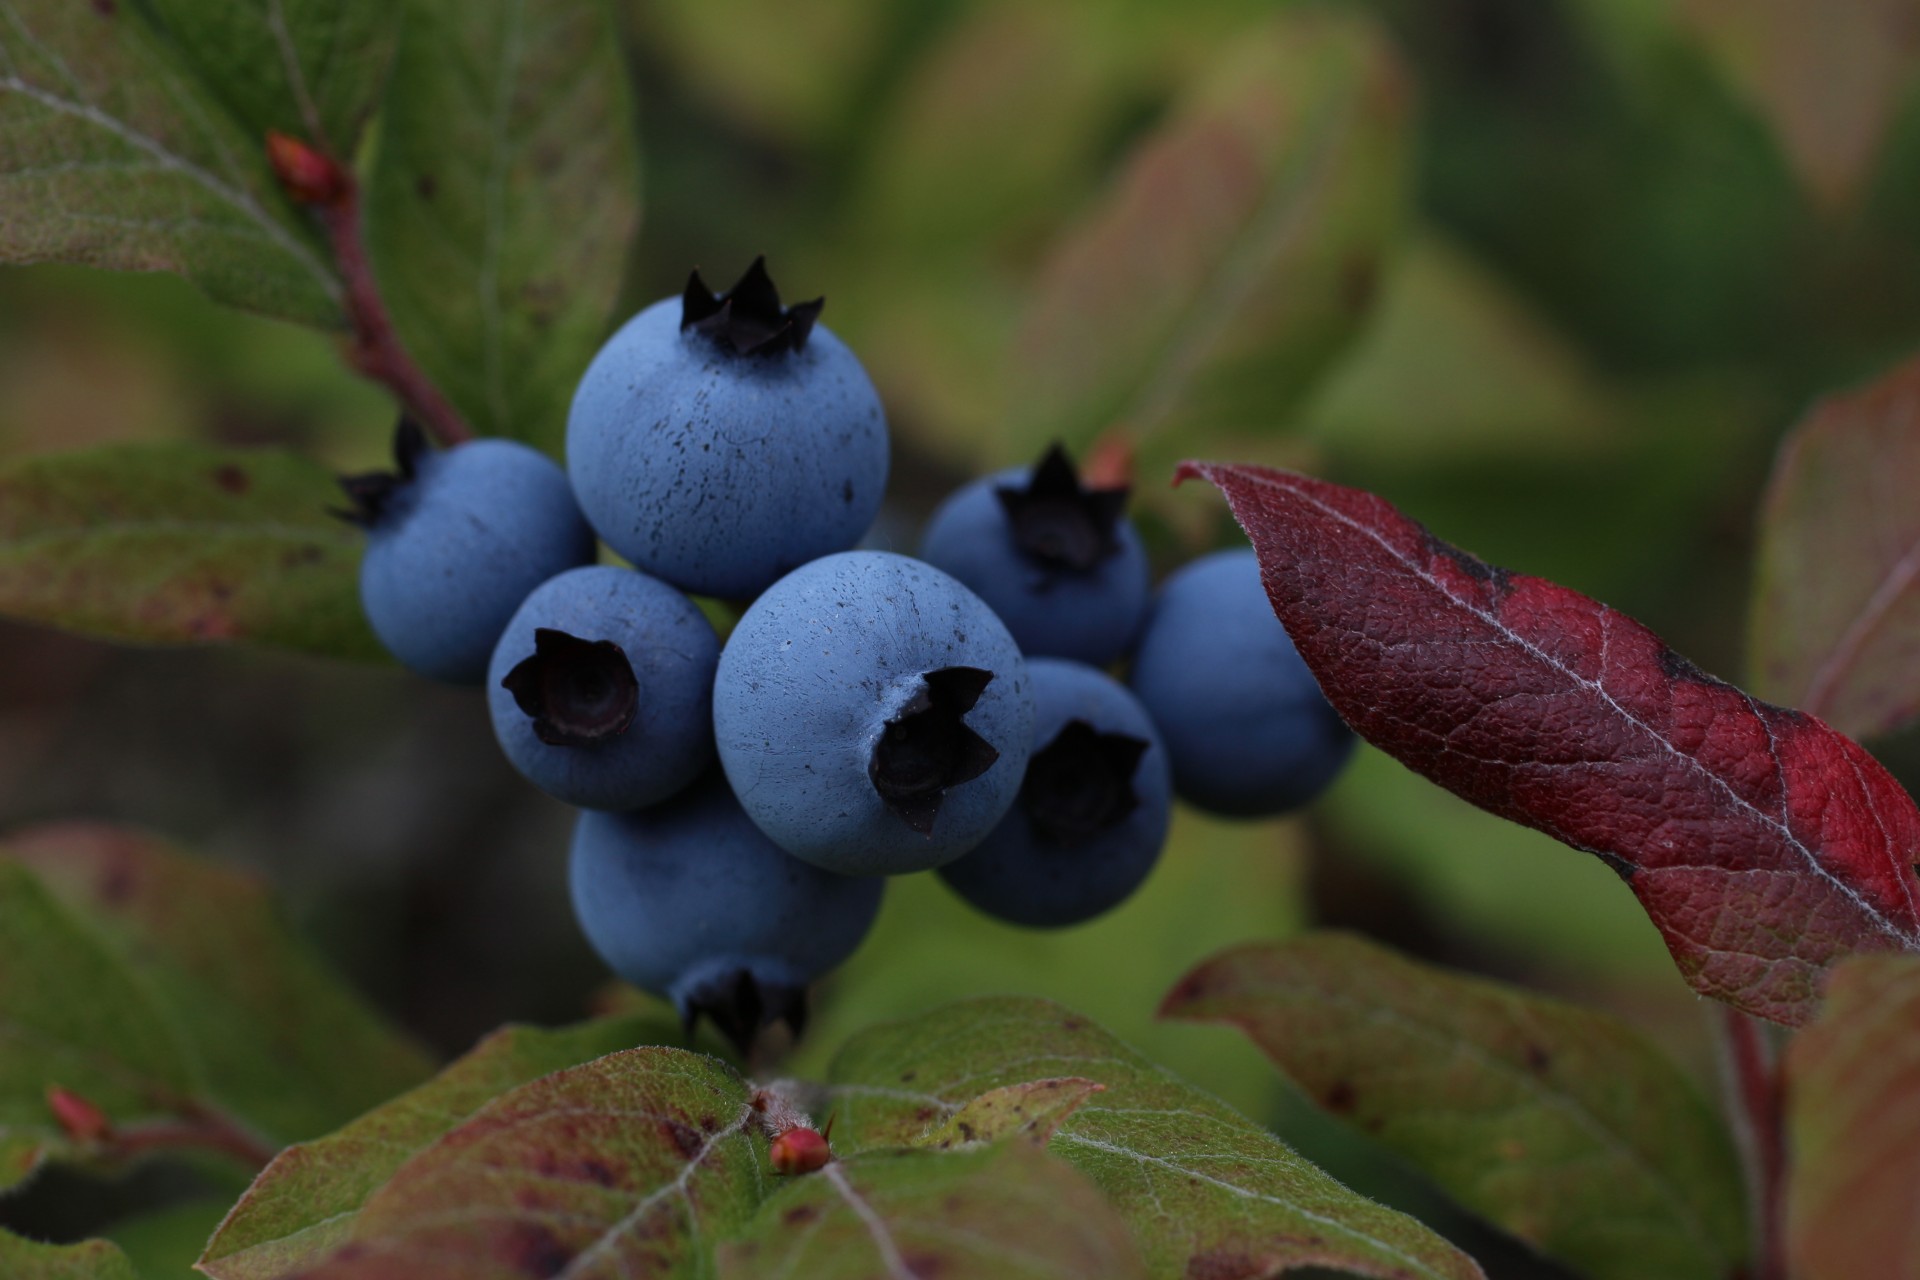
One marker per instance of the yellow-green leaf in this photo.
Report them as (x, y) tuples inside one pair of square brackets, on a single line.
[(1200, 1185), (1559, 1124), (182, 544), (113, 155), (503, 198)]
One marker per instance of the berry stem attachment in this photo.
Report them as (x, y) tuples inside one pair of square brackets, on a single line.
[(332, 191), (1757, 1100)]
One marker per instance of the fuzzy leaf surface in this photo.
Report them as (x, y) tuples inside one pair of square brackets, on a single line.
[(1235, 255), (1836, 623), (249, 1020), (1033, 1111), (1853, 1124), (1010, 1212), (73, 1015), (1764, 845), (113, 155), (311, 69), (182, 544), (1561, 1125), (503, 200), (304, 1204), (23, 1259), (631, 1165), (1205, 1190)]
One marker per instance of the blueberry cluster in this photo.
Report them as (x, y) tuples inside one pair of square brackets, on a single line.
[(870, 714)]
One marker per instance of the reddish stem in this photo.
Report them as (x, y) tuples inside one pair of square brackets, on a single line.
[(196, 1128), (1758, 1101), (377, 351), (315, 179)]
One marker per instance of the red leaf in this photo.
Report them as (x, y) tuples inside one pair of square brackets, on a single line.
[(1764, 845)]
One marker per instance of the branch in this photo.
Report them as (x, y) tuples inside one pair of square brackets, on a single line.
[(194, 1126), (1757, 1102), (332, 191)]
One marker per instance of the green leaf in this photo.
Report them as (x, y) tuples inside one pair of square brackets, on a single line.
[(182, 544), (22, 1259), (160, 987), (1836, 616), (789, 72), (996, 1214), (1033, 1111), (1237, 253), (1829, 81), (113, 156), (503, 199), (1559, 1124), (72, 1014), (163, 1245), (1205, 1190), (305, 1203), (312, 69), (1853, 1125), (1455, 369), (630, 1165)]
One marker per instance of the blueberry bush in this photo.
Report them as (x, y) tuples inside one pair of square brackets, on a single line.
[(570, 642)]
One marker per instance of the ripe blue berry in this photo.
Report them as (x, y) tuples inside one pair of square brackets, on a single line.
[(1245, 725), (872, 714), (1093, 811), (690, 901), (1059, 563), (455, 541), (601, 689), (718, 442)]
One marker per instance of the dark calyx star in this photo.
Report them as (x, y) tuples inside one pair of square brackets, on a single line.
[(926, 749), (741, 1006), (1081, 783), (748, 319), (1059, 522), (370, 492), (578, 692)]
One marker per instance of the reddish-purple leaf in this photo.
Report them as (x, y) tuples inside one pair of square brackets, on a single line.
[(1836, 616), (1764, 845)]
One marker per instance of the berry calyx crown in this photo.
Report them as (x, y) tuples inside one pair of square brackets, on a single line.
[(1081, 783), (1060, 522), (926, 748), (740, 1005), (748, 320), (370, 493), (577, 692)]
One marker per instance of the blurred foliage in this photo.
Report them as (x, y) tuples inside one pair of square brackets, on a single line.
[(1614, 249)]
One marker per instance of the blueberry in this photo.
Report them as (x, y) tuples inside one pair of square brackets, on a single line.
[(718, 442), (455, 541), (601, 689), (1245, 725), (1093, 811), (689, 901), (1059, 563), (872, 714)]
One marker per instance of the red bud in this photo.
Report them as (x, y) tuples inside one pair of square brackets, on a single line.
[(309, 176), (800, 1150), (81, 1119)]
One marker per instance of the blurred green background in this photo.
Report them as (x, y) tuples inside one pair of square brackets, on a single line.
[(1552, 275)]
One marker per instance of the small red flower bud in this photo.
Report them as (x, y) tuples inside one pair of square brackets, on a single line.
[(307, 175), (81, 1119), (800, 1150)]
